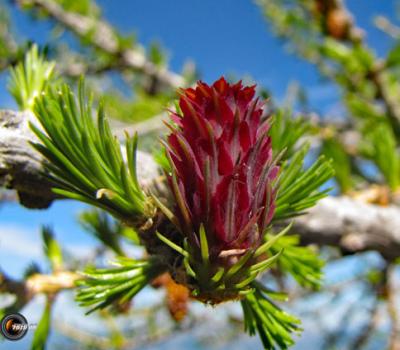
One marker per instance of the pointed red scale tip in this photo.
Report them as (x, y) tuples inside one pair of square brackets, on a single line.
[(190, 157), (248, 93), (171, 146), (237, 87), (263, 128), (190, 113), (224, 112), (204, 89), (186, 108), (221, 85), (176, 118), (190, 93)]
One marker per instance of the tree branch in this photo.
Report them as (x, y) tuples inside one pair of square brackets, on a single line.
[(352, 225), (23, 169), (376, 75), (104, 37), (344, 222), (36, 284)]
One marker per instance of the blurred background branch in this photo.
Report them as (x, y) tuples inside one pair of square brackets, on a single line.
[(102, 36)]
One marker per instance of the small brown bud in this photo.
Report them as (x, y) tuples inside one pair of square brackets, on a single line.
[(338, 23)]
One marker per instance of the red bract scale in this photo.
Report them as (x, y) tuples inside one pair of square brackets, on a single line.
[(223, 172)]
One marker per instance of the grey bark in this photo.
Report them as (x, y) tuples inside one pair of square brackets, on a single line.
[(22, 168), (352, 225)]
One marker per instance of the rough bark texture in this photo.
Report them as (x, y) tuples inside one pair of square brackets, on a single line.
[(22, 168), (352, 225), (343, 222)]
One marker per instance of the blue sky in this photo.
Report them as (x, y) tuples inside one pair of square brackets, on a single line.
[(221, 37)]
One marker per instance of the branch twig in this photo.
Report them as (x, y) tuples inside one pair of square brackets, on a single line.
[(344, 222), (22, 168), (352, 225), (104, 37)]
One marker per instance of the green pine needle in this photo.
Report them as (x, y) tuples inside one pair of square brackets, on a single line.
[(299, 188), (285, 132), (172, 245), (52, 249), (43, 328), (341, 162), (104, 228), (379, 145), (204, 245), (270, 241), (263, 316), (29, 78), (85, 159), (102, 287), (301, 262)]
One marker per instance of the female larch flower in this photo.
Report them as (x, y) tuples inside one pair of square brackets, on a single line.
[(223, 179)]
